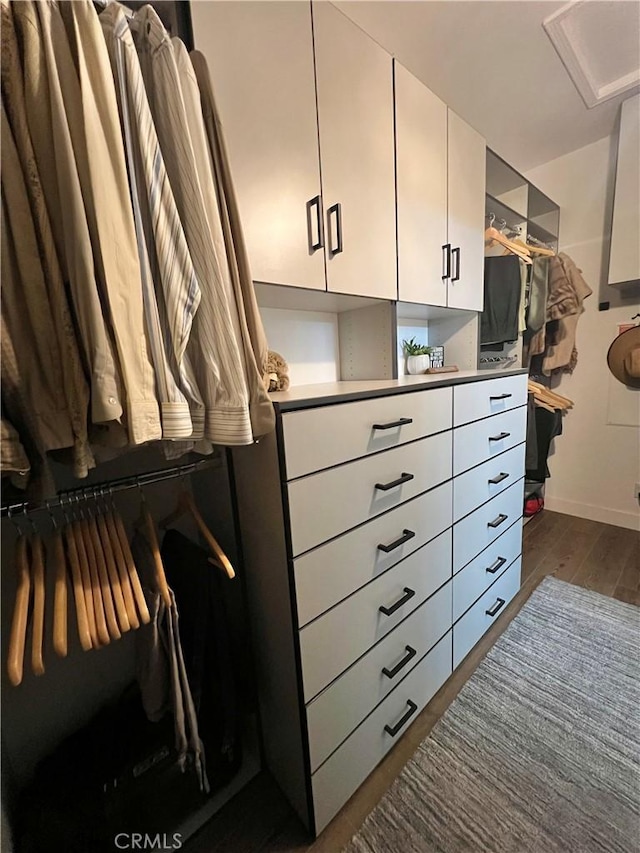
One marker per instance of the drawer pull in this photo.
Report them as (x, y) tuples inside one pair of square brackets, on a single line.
[(393, 424), (500, 603), (498, 520), (495, 480), (404, 478), (393, 730), (499, 437), (389, 611), (497, 565), (406, 535), (391, 673), (501, 397)]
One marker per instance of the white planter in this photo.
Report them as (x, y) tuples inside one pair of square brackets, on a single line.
[(416, 364)]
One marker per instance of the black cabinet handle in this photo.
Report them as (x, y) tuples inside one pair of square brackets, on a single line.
[(406, 535), (389, 611), (337, 210), (314, 245), (393, 730), (499, 437), (455, 253), (384, 487), (446, 261), (496, 607), (393, 424), (495, 480), (501, 397), (497, 565), (391, 673), (498, 521)]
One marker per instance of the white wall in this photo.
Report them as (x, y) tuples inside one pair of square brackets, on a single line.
[(596, 464), (307, 340)]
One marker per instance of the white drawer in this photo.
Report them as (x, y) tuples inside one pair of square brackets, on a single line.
[(480, 573), (490, 397), (322, 437), (330, 573), (478, 530), (484, 612), (349, 765), (335, 713), (325, 504), (480, 484), (479, 441), (328, 645)]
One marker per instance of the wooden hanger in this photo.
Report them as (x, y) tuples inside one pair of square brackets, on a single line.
[(82, 619), (551, 398), (186, 504), (17, 638), (136, 586), (147, 524), (112, 571), (102, 576), (37, 627), (95, 609), (123, 571), (59, 595), (492, 235)]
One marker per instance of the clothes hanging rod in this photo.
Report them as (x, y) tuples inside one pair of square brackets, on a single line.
[(108, 487), (499, 220)]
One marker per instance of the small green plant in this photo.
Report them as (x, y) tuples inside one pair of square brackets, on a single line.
[(410, 347)]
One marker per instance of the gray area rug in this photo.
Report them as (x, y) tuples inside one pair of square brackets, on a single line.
[(540, 751)]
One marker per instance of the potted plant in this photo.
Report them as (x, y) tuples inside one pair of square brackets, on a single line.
[(416, 357)]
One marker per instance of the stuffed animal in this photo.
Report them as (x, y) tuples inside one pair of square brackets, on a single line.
[(277, 373)]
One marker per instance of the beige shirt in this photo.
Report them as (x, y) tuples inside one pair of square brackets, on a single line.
[(73, 380), (226, 228), (105, 188), (56, 135), (215, 351)]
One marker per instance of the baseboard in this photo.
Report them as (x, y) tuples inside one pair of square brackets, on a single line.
[(594, 513)]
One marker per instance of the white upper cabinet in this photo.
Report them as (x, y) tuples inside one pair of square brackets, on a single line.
[(440, 163), (421, 163), (466, 176), (260, 57), (624, 260), (355, 117)]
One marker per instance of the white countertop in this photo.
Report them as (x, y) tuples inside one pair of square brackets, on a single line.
[(305, 396)]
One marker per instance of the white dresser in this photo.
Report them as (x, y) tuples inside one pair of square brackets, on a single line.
[(382, 528)]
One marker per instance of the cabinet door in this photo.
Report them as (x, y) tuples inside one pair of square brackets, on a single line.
[(355, 116), (260, 58), (624, 261), (466, 179), (421, 170)]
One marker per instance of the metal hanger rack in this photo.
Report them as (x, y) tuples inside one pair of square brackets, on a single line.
[(109, 487)]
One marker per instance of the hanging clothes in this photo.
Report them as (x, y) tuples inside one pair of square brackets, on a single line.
[(171, 290), (160, 668), (73, 383), (53, 129), (105, 189), (213, 346), (254, 339), (204, 632), (502, 287), (555, 341)]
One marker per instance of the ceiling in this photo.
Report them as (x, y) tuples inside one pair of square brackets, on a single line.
[(494, 64)]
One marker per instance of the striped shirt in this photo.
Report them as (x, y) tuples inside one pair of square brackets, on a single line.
[(172, 302), (214, 346)]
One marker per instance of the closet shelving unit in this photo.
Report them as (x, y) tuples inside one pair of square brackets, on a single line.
[(512, 199)]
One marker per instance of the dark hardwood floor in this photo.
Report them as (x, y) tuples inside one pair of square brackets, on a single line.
[(593, 555)]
